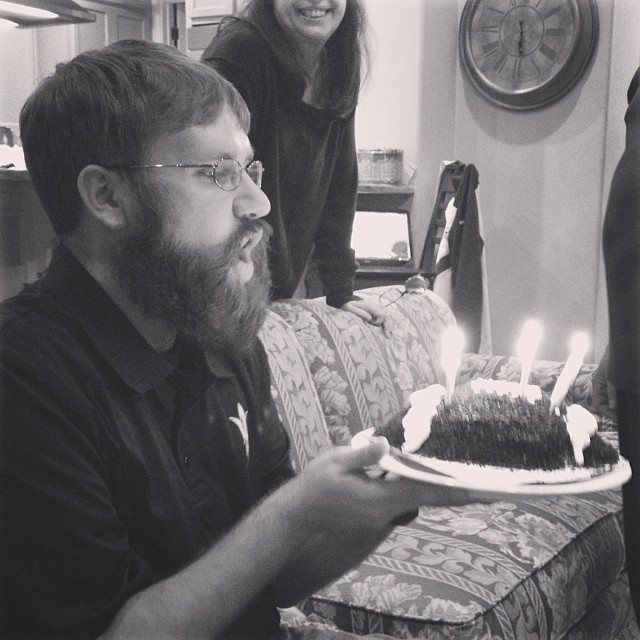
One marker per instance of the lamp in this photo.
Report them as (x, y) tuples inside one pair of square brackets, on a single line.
[(39, 13)]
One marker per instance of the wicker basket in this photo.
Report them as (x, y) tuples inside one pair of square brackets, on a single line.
[(380, 166)]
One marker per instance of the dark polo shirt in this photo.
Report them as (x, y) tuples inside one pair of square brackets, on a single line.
[(119, 466)]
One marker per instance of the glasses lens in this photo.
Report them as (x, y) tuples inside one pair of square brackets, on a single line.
[(255, 171), (390, 296), (416, 284), (227, 174)]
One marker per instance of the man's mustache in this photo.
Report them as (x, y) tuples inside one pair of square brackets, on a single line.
[(250, 227)]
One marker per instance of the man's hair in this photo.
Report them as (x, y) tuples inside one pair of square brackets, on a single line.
[(347, 52), (106, 107)]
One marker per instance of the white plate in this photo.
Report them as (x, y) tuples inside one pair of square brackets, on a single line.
[(491, 482)]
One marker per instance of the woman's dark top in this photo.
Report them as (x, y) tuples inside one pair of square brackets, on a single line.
[(309, 154)]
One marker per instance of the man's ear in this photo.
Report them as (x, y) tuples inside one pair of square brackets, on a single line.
[(104, 194)]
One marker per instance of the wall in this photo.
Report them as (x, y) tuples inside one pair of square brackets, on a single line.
[(17, 72), (388, 112), (544, 174), (28, 55)]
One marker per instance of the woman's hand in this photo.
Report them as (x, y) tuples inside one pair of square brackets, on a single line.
[(372, 313)]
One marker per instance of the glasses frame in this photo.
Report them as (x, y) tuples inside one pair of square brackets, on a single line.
[(414, 285), (204, 165)]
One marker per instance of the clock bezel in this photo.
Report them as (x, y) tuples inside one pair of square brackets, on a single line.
[(567, 76)]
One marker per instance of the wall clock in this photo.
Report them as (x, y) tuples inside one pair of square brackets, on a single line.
[(525, 54)]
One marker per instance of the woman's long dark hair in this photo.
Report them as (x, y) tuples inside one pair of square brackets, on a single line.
[(347, 50)]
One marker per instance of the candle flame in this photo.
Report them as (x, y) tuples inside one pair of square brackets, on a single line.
[(451, 354), (526, 349), (579, 344), (529, 339), (452, 345)]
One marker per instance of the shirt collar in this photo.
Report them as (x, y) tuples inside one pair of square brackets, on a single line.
[(119, 342), (113, 334)]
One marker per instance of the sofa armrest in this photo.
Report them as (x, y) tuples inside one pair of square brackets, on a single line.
[(544, 373), (294, 392), (363, 377)]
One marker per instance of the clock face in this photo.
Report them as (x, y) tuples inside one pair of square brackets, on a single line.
[(524, 54)]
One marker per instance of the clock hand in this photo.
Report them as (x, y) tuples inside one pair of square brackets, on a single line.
[(521, 38)]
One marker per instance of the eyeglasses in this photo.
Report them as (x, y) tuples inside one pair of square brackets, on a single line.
[(227, 172), (415, 284)]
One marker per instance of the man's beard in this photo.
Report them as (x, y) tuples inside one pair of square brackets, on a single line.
[(194, 290)]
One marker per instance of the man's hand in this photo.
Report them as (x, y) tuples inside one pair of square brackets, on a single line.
[(343, 515), (370, 312), (302, 536), (334, 494)]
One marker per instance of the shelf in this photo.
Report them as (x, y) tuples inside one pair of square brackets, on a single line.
[(385, 197), (404, 189), (401, 270), (370, 276)]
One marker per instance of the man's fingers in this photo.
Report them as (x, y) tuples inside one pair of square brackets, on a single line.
[(362, 457)]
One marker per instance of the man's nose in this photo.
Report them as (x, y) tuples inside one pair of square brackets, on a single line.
[(251, 201)]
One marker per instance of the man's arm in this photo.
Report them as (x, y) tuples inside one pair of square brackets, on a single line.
[(322, 560), (329, 554), (206, 598), (331, 501)]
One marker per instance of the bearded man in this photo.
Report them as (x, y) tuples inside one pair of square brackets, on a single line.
[(145, 481)]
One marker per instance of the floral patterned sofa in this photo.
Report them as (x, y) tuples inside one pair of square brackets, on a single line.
[(548, 568)]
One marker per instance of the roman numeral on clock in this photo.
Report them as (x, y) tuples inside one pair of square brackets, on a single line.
[(491, 47), (499, 65), (517, 68), (548, 51), (552, 12)]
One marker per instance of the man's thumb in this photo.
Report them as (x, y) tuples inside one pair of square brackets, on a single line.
[(366, 455)]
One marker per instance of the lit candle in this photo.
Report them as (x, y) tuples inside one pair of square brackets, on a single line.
[(526, 350), (579, 346), (451, 354)]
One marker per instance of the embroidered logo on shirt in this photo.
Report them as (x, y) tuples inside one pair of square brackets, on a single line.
[(241, 423)]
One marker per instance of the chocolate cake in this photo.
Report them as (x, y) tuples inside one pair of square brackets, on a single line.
[(503, 430)]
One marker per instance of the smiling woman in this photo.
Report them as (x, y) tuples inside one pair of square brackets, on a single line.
[(297, 65), (308, 26)]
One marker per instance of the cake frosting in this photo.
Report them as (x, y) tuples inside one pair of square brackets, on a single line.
[(491, 423)]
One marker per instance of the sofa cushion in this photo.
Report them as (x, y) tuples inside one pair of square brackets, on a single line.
[(523, 570), (364, 379)]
